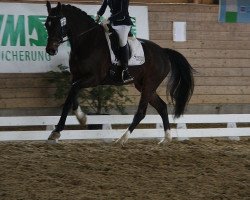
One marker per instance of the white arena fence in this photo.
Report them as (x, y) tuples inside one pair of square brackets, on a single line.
[(181, 131)]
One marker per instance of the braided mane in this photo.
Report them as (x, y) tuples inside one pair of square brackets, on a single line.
[(72, 9)]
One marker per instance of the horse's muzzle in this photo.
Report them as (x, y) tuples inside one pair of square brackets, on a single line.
[(52, 48), (51, 51)]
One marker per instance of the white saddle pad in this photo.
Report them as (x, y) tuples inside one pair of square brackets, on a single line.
[(137, 53)]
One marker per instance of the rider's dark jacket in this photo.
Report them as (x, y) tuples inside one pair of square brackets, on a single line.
[(119, 12)]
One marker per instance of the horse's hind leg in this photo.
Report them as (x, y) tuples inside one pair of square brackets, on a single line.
[(140, 114), (161, 108)]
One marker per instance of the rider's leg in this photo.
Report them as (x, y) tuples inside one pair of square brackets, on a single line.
[(126, 77), (122, 32)]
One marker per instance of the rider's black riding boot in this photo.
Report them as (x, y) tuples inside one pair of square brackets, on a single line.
[(126, 77)]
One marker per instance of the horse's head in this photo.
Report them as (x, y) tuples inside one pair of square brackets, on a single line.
[(56, 28)]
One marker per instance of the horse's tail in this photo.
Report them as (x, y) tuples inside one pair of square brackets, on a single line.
[(181, 82)]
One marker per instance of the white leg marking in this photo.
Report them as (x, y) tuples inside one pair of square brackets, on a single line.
[(54, 137), (167, 137), (80, 115), (124, 138)]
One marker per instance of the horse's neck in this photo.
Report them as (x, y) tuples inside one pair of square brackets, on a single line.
[(84, 35), (91, 52), (78, 29), (86, 40)]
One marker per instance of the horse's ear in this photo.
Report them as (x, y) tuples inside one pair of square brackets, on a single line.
[(59, 5), (48, 6)]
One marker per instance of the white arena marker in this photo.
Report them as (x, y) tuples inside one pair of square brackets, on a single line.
[(179, 31)]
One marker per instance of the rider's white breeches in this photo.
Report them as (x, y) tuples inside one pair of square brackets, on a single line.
[(122, 32)]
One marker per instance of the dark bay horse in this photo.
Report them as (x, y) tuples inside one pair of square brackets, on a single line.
[(90, 63)]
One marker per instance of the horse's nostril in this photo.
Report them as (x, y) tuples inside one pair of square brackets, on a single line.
[(55, 44), (51, 52)]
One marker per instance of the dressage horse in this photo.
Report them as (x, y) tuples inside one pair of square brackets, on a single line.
[(90, 66)]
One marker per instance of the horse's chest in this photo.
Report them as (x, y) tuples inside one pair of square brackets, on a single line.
[(83, 63)]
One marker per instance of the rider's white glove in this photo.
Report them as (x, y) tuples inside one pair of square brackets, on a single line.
[(97, 18), (105, 23)]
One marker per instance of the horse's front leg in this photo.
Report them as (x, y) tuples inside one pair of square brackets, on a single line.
[(140, 114), (55, 135)]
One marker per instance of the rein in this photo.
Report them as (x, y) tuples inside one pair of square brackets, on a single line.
[(81, 34)]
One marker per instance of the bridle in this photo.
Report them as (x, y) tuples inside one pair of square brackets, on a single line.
[(63, 30)]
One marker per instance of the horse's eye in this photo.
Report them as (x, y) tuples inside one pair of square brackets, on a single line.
[(48, 24)]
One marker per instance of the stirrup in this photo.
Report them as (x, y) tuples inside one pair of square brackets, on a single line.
[(129, 77)]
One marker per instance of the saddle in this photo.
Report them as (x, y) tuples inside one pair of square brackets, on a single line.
[(136, 53)]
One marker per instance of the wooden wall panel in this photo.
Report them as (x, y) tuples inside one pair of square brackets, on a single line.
[(201, 44), (219, 62), (219, 81), (7, 93), (190, 8), (208, 99), (202, 35), (223, 72), (182, 16), (205, 90), (200, 26), (12, 103), (214, 53)]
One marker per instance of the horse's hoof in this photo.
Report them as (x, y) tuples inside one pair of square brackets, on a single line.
[(54, 136), (52, 141), (163, 142), (122, 140), (82, 121), (166, 139), (169, 137)]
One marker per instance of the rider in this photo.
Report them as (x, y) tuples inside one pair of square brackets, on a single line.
[(121, 23)]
